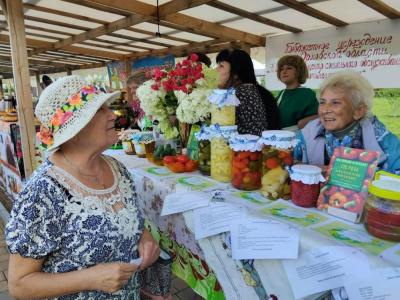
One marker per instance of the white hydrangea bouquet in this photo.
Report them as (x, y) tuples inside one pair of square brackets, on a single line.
[(182, 92)]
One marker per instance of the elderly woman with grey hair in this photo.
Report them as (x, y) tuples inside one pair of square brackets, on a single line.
[(345, 119)]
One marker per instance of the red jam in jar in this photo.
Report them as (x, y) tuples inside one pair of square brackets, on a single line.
[(382, 209), (305, 185)]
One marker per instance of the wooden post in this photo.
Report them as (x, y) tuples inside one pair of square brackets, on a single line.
[(19, 54), (69, 71), (1, 88), (38, 86)]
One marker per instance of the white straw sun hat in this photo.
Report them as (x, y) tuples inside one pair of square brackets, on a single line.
[(65, 107)]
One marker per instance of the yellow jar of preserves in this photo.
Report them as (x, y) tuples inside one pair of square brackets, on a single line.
[(223, 107), (224, 115), (140, 139), (277, 154), (221, 153)]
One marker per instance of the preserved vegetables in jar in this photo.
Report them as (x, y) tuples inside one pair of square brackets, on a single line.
[(205, 157), (203, 136), (221, 160), (305, 185), (277, 154), (382, 209), (223, 107), (246, 163), (221, 153), (224, 115)]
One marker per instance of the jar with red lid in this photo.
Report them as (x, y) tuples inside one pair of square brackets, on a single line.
[(382, 209), (277, 156), (305, 184), (246, 162)]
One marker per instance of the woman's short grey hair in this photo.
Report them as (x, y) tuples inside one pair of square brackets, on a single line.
[(357, 88)]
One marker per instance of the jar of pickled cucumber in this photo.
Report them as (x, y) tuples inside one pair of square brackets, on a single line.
[(140, 139), (223, 107), (305, 184), (203, 136), (382, 209), (277, 155), (221, 153), (247, 162)]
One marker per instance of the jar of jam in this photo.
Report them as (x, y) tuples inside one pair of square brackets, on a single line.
[(382, 209), (223, 107), (277, 156), (140, 139), (203, 136), (247, 162), (149, 148), (305, 184), (128, 147), (221, 153)]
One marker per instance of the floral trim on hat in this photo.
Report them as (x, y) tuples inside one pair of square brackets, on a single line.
[(64, 113)]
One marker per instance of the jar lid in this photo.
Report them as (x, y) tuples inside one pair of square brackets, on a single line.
[(307, 174), (385, 188), (279, 138), (222, 98), (226, 132), (204, 134), (245, 142), (143, 137)]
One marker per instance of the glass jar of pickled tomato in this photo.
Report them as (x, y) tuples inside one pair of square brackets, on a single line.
[(305, 184), (382, 209), (221, 153), (277, 155), (247, 162), (223, 107)]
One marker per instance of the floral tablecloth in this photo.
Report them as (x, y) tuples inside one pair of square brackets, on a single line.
[(206, 264)]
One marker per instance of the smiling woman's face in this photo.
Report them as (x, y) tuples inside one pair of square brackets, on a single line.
[(336, 110)]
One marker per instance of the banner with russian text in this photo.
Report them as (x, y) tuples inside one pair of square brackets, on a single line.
[(372, 48)]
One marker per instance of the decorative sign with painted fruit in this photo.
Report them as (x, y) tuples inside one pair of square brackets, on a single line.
[(349, 173)]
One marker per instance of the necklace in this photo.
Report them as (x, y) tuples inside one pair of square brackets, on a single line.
[(97, 178)]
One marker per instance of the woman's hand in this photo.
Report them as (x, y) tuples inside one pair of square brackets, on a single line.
[(148, 249), (111, 277)]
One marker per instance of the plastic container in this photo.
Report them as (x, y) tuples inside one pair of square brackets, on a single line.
[(223, 107), (203, 136), (247, 162), (221, 153), (277, 155), (140, 139), (305, 184), (382, 209)]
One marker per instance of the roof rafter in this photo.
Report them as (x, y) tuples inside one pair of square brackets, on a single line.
[(382, 8), (312, 12), (252, 16), (203, 27)]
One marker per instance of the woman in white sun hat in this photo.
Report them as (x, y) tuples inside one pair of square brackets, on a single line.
[(75, 228)]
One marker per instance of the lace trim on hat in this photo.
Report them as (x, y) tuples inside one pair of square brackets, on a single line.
[(64, 113)]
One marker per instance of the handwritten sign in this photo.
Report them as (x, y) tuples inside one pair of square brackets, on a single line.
[(372, 49)]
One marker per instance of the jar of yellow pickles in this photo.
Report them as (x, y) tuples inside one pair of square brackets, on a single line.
[(221, 153), (223, 107), (277, 155)]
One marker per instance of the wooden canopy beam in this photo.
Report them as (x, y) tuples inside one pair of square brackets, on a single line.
[(19, 54), (252, 16), (382, 8), (74, 49), (204, 27), (312, 12)]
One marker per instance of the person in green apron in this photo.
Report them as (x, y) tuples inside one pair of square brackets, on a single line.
[(297, 104)]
